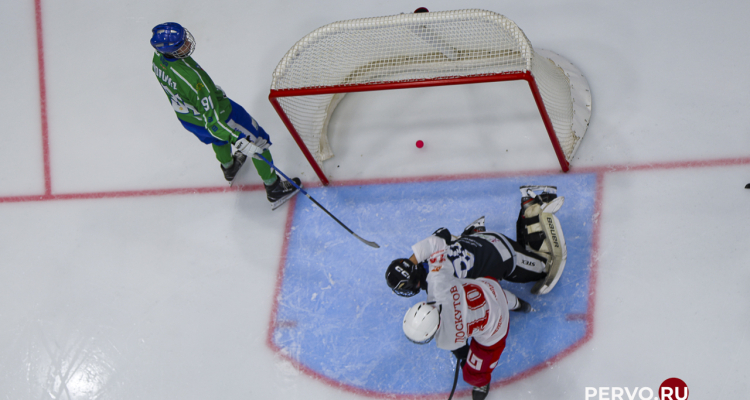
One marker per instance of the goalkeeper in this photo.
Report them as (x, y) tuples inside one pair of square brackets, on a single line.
[(204, 109)]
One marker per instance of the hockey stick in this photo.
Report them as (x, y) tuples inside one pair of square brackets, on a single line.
[(455, 378), (367, 242)]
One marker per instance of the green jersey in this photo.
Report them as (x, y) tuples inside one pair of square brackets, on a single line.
[(194, 97)]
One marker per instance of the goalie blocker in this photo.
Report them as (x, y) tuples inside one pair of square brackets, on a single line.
[(543, 232)]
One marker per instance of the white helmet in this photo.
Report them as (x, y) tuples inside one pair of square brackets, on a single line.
[(421, 322)]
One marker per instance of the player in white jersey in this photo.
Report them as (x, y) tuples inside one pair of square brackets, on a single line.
[(459, 309)]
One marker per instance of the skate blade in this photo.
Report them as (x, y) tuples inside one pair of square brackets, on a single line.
[(542, 188), (479, 221), (278, 203), (237, 175), (474, 227)]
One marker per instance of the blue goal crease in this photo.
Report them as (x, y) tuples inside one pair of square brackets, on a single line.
[(341, 320)]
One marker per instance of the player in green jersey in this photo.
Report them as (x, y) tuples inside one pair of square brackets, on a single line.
[(204, 109)]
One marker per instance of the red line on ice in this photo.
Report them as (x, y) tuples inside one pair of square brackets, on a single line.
[(131, 193), (42, 96), (588, 317), (47, 195), (602, 170)]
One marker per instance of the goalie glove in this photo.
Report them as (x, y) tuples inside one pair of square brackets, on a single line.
[(248, 148)]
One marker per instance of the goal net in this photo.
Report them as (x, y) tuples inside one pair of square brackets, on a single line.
[(422, 50)]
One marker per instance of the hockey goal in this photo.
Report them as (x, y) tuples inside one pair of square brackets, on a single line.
[(422, 50)]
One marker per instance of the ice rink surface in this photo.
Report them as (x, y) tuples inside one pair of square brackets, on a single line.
[(129, 271)]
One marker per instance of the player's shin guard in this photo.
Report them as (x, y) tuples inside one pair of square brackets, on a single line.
[(554, 246), (543, 234)]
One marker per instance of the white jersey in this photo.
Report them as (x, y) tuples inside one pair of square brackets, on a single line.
[(485, 254), (475, 308)]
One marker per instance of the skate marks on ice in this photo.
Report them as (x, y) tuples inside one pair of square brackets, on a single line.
[(336, 319), (58, 361)]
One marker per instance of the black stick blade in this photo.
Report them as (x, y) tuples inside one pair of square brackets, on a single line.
[(367, 242)]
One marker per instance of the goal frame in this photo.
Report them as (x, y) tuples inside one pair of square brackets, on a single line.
[(572, 73)]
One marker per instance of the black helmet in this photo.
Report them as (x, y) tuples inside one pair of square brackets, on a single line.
[(403, 277)]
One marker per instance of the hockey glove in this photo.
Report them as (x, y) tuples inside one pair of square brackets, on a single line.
[(248, 148), (222, 95)]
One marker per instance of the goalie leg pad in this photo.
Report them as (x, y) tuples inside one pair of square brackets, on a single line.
[(554, 246), (553, 205), (533, 234)]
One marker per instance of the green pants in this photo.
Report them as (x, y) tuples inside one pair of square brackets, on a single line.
[(268, 174)]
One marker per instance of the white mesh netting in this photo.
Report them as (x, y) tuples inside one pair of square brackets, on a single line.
[(410, 48)]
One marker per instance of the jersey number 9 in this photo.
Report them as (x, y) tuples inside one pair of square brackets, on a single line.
[(207, 103)]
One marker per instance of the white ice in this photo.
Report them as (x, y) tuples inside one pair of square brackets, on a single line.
[(168, 296)]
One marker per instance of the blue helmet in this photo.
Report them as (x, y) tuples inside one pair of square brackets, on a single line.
[(169, 39)]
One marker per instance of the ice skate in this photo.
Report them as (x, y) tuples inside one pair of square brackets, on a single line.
[(545, 192), (480, 392), (474, 227), (523, 307), (546, 197), (281, 191), (231, 172)]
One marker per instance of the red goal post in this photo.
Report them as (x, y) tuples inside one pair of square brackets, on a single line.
[(422, 50)]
